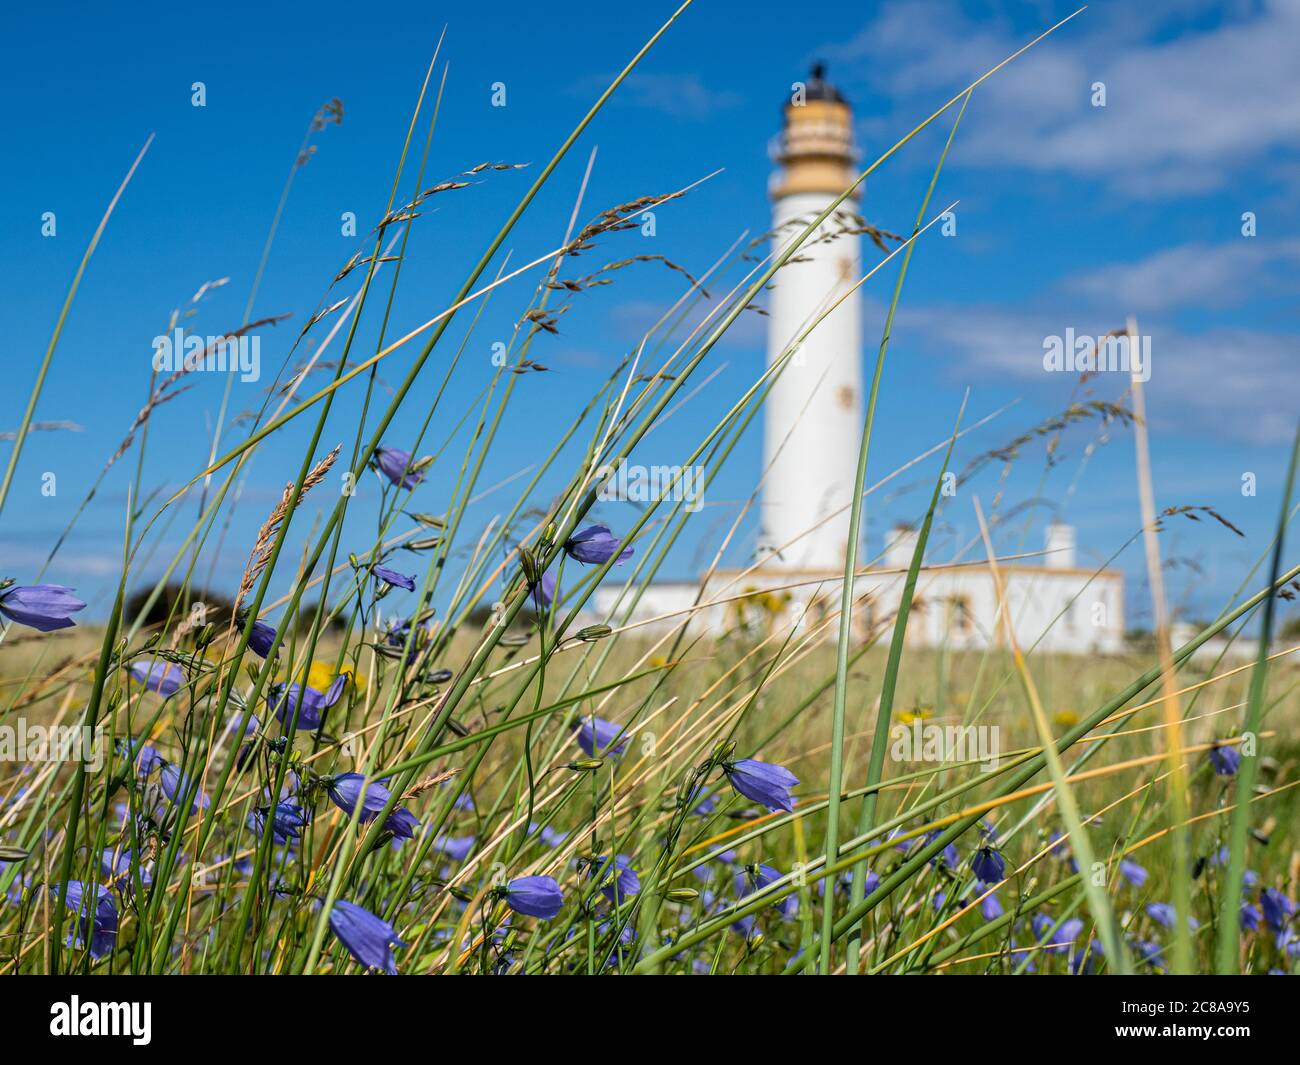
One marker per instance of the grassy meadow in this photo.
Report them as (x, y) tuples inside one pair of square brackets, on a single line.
[(296, 778)]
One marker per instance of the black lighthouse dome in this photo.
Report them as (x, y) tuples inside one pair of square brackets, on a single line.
[(818, 88)]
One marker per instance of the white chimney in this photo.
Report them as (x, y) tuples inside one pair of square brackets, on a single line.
[(900, 545), (1060, 546)]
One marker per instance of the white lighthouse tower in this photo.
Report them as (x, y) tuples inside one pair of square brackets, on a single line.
[(811, 436), (813, 415)]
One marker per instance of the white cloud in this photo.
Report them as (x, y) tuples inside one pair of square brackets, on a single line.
[(68, 564), (1199, 95), (1225, 384), (1184, 112), (1192, 275)]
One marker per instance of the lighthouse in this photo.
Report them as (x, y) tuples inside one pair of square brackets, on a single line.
[(813, 414), (812, 431)]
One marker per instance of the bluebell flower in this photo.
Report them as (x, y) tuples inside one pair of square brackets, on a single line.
[(1133, 873), (596, 545), (843, 884), (988, 865), (544, 592), (719, 858), (755, 878), (1148, 952), (534, 896), (1250, 917), (395, 464), (1083, 962), (626, 938), (706, 805), (261, 638), (399, 631), (1288, 942), (1278, 909), (1226, 760), (396, 631), (287, 821), (746, 925), (1161, 913), (1165, 914), (165, 678), (147, 761), (44, 607), (1060, 940), (344, 791), (552, 837), (1220, 857), (618, 883), (368, 938), (393, 578), (1069, 930), (600, 738), (305, 704), (243, 724), (1041, 923), (949, 856), (457, 848), (904, 845), (175, 785), (115, 866), (14, 895), (767, 785), (101, 927), (990, 908), (401, 824)]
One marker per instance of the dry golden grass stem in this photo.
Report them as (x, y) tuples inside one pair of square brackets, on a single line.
[(261, 553), (1177, 777), (420, 787)]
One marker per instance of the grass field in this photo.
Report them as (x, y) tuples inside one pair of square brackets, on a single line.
[(472, 800), (296, 781)]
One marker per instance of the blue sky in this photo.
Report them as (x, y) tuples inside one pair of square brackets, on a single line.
[(1071, 216)]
